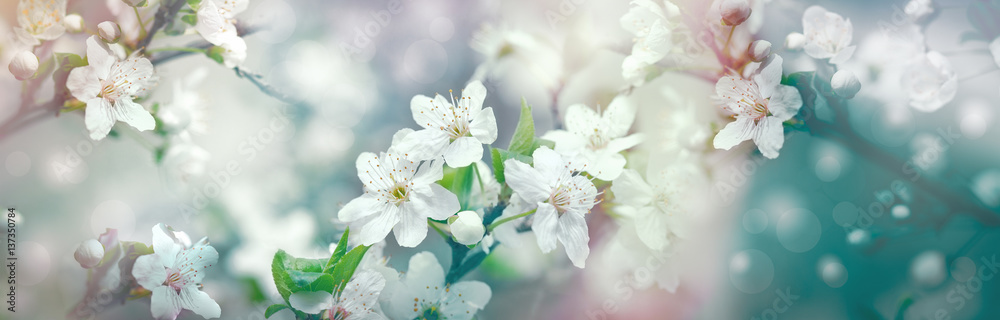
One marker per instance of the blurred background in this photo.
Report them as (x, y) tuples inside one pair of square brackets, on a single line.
[(832, 229)]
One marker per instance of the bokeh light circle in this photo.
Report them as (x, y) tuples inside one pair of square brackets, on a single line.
[(18, 163), (278, 18), (441, 29), (751, 271), (799, 230), (928, 268), (36, 261), (113, 214), (845, 214), (900, 211), (425, 61), (828, 169), (963, 269), (832, 271), (755, 221)]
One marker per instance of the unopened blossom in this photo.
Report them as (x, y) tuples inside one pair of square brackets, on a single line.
[(217, 24), (73, 23), (455, 129), (423, 293), (653, 26), (931, 82), (468, 228), (107, 85), (40, 20), (109, 31), (354, 302), (89, 253), (397, 197), (760, 105), (658, 205), (828, 35), (795, 41), (734, 12), (845, 83), (173, 273), (23, 65), (562, 199), (597, 138), (759, 50)]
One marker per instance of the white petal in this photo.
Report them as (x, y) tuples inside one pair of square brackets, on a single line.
[(149, 271), (620, 115), (361, 293), (464, 299), (360, 207), (484, 126), (785, 102), (462, 152), (438, 204), (199, 258), (550, 165), (412, 227), (83, 83), (622, 144), (566, 142), (742, 129), (769, 76), (164, 303), (843, 55), (606, 165), (213, 26), (426, 112), (430, 172), (651, 228), (235, 52), (573, 235), (164, 245), (629, 188), (581, 119), (199, 302), (769, 137), (134, 114), (99, 118), (311, 302), (99, 57), (377, 226), (545, 226), (424, 276), (476, 93), (423, 144), (524, 180), (735, 93), (816, 51)]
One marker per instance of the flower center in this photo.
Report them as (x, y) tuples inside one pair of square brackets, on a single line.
[(399, 194), (175, 279), (561, 198), (338, 313), (431, 313), (598, 140)]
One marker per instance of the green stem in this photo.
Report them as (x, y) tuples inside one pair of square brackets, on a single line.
[(479, 178), (508, 219), (185, 49), (725, 49), (142, 26)]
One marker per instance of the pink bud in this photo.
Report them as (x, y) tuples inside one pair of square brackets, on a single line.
[(735, 12)]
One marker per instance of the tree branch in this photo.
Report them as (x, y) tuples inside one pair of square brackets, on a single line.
[(263, 85), (166, 13)]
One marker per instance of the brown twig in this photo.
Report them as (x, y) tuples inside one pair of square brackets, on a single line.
[(263, 85), (166, 13)]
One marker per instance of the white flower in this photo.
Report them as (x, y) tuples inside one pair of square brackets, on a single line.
[(919, 9), (468, 228), (109, 31), (397, 197), (795, 41), (73, 23), (23, 65), (217, 24), (760, 106), (562, 199), (173, 272), (184, 163), (995, 50), (828, 35), (931, 82), (596, 138), (187, 112), (40, 20), (354, 302), (658, 204), (108, 86), (734, 12), (423, 294), (845, 83), (89, 253), (650, 24), (456, 129)]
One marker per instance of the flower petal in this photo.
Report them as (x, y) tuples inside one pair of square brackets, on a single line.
[(423, 144), (424, 276), (360, 207), (412, 227), (311, 302), (99, 118), (377, 226), (574, 237), (164, 303), (484, 126), (785, 102), (606, 165), (581, 119), (768, 76), (164, 245), (149, 271), (524, 180), (197, 258), (462, 152), (619, 115), (475, 92), (438, 204), (630, 189), (83, 83), (769, 137), (742, 129), (464, 299), (650, 227), (566, 142), (199, 302), (545, 226), (361, 293), (134, 114), (99, 57)]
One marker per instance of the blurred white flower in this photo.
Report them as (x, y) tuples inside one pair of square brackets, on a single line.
[(89, 253), (760, 106), (657, 204), (468, 228), (597, 138), (423, 294), (652, 27), (456, 129), (187, 112), (397, 197), (734, 12), (23, 65), (217, 24), (516, 54), (40, 20), (930, 82), (845, 83), (184, 162), (795, 41), (73, 23), (109, 31), (173, 272), (234, 52), (354, 302), (562, 199), (489, 192), (108, 86), (919, 9), (828, 35)]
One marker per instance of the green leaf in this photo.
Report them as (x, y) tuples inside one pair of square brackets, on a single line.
[(324, 282), (190, 19), (293, 274), (523, 140), (274, 308), (215, 53), (194, 3), (344, 270), (337, 253), (461, 185), (497, 164), (68, 61)]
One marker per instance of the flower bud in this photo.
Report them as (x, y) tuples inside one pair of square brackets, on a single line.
[(734, 12), (845, 84), (468, 228), (109, 31), (89, 253), (795, 41), (24, 65), (135, 3), (759, 50), (73, 23)]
